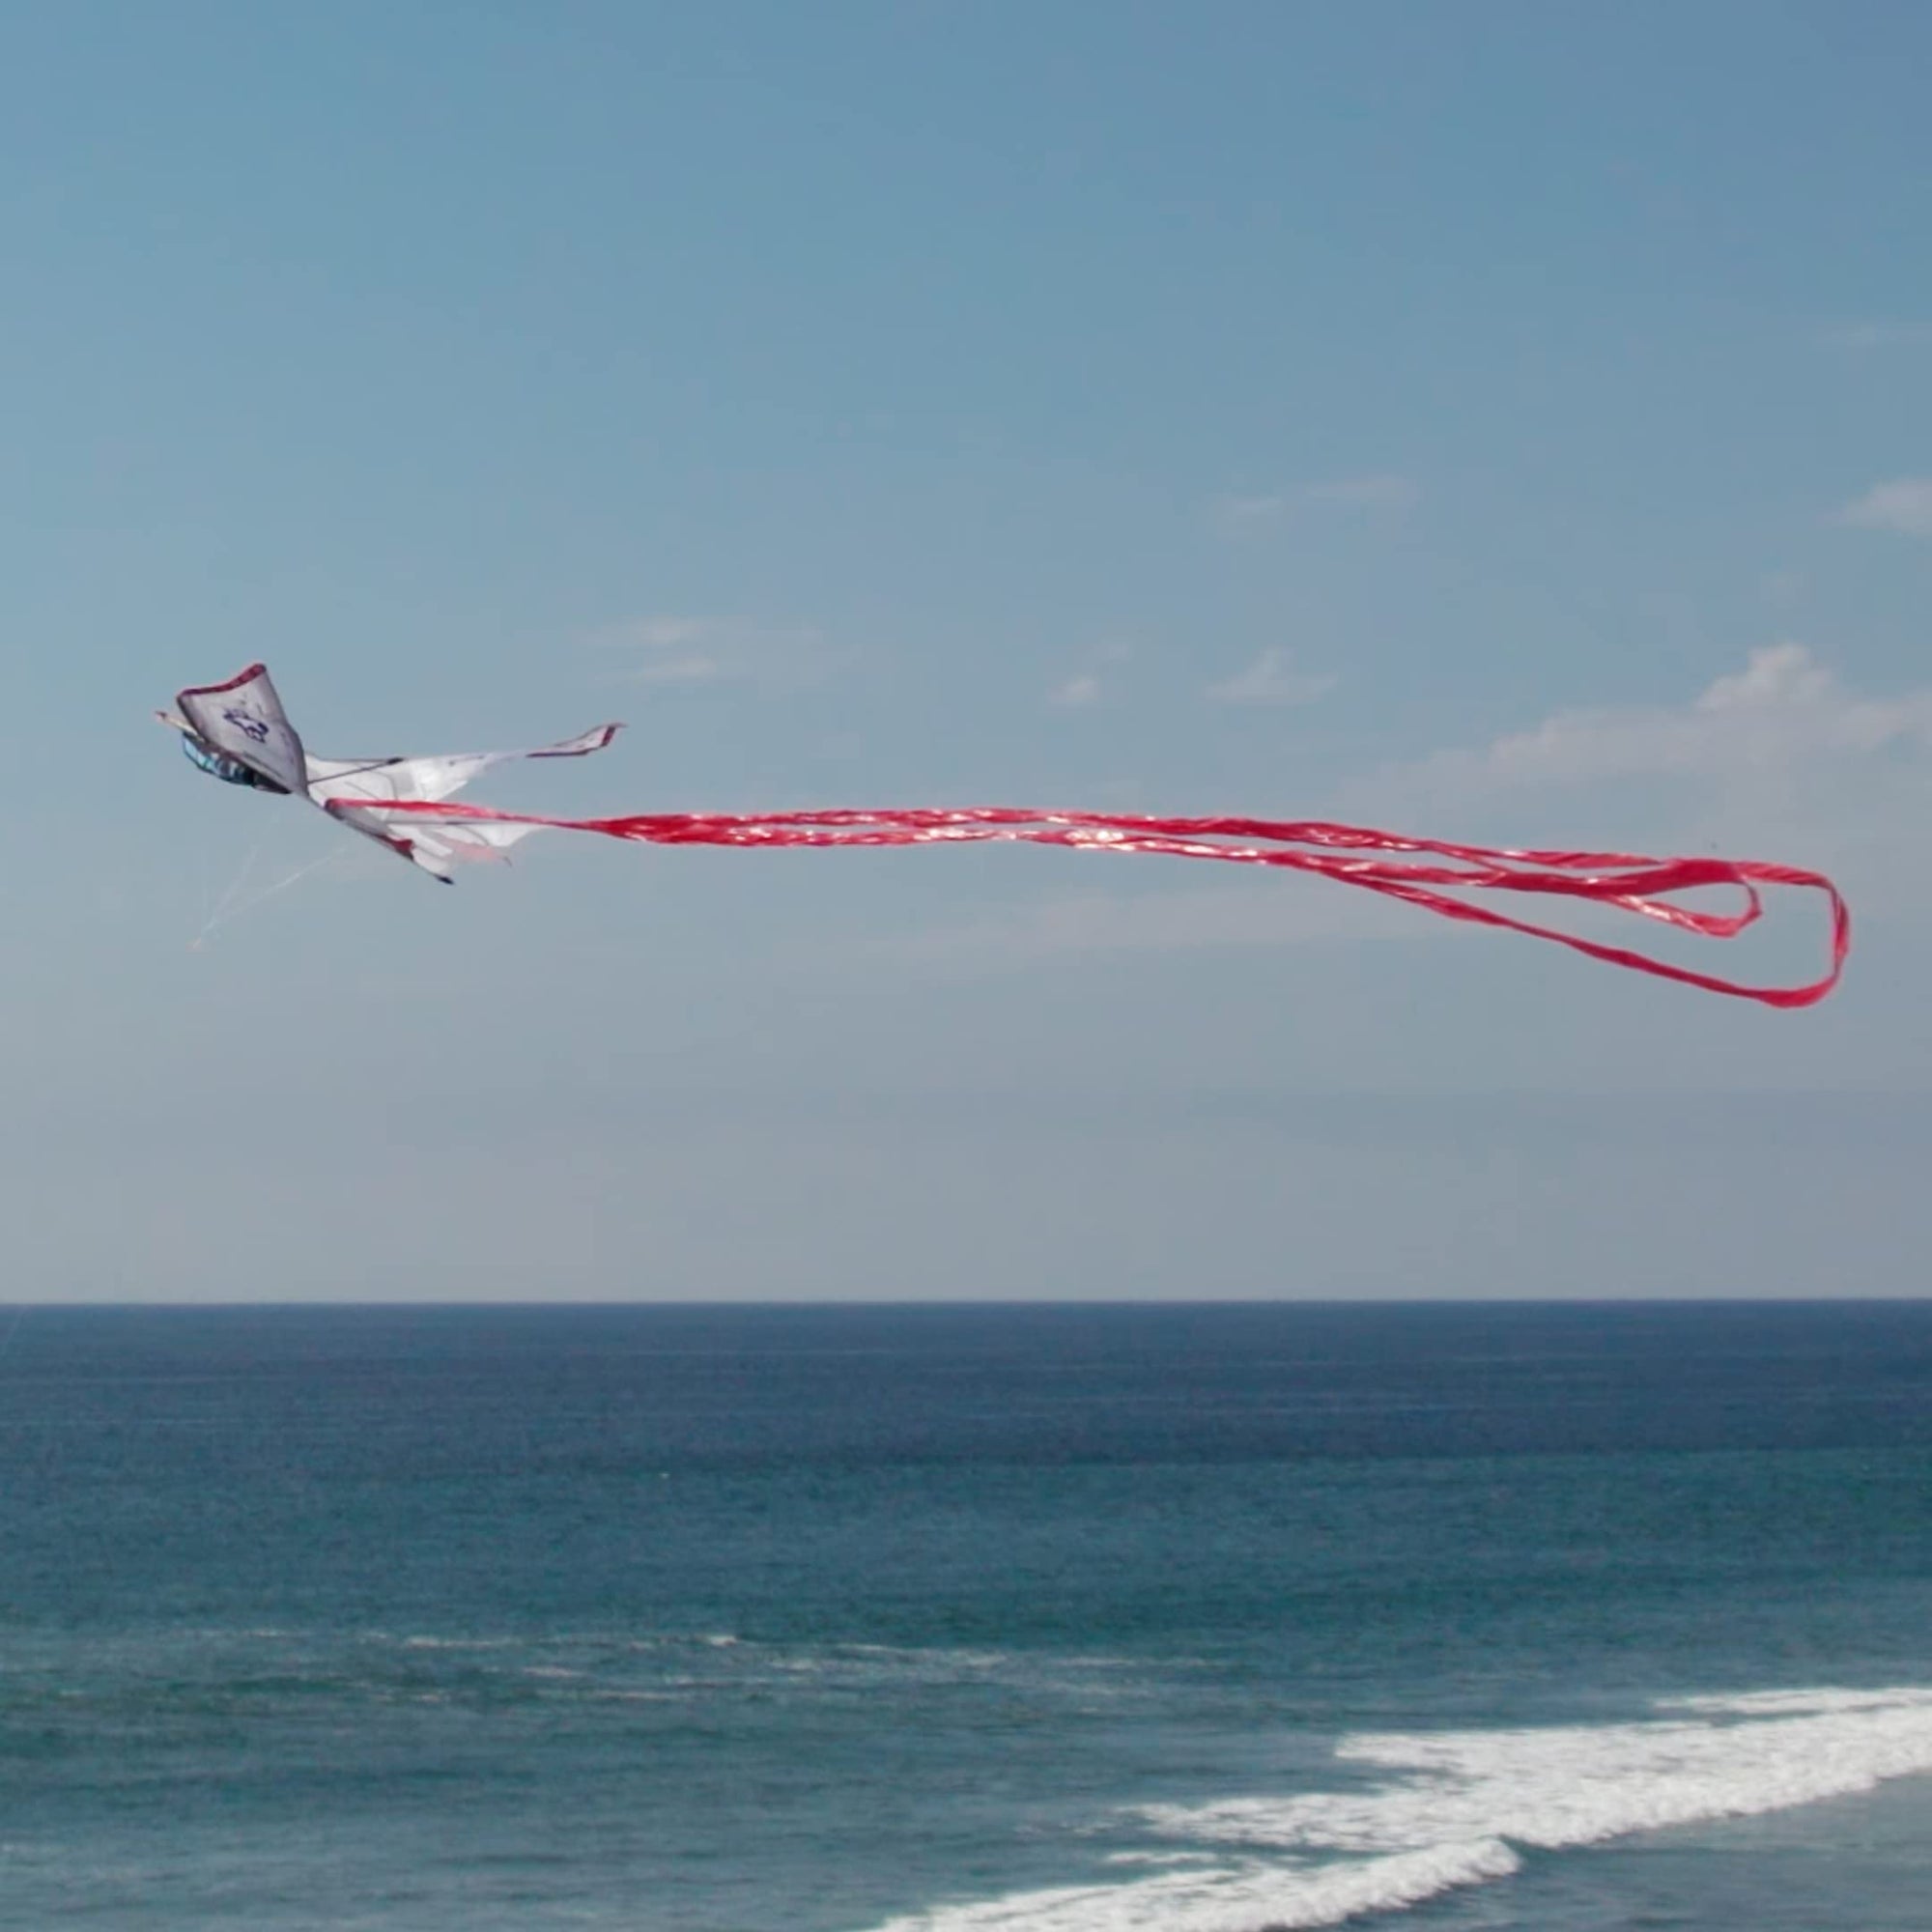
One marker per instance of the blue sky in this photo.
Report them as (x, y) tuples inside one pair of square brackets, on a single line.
[(1505, 421)]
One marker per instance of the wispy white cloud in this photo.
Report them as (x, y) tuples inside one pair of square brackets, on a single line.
[(1366, 493), (1085, 687), (1271, 679), (1868, 336), (1778, 760), (1238, 511), (694, 668), (1783, 710), (1904, 505), (1279, 910), (1375, 494), (669, 649)]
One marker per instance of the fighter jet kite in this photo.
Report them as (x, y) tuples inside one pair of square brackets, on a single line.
[(239, 733)]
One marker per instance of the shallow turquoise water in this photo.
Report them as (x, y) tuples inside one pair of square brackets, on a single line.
[(1055, 1620)]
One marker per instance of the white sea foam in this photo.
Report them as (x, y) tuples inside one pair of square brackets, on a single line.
[(1580, 1784), (1787, 1703), (424, 1642), (925, 1657), (1232, 1898), (1456, 1806)]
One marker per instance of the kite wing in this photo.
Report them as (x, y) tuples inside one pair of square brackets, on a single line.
[(355, 790), (243, 720)]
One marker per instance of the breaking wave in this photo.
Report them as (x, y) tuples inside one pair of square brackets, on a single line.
[(1456, 1809)]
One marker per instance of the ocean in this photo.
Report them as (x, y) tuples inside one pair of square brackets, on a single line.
[(989, 1619)]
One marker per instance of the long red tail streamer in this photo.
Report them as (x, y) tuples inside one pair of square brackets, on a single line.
[(1351, 855)]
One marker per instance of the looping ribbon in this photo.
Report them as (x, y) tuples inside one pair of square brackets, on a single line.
[(1424, 872)]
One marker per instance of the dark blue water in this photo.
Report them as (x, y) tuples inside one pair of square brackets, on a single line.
[(1054, 1620)]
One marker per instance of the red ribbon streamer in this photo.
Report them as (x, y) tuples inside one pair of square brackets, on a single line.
[(1353, 855)]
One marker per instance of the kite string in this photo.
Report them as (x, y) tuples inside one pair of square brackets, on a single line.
[(1350, 855), (221, 918), (211, 920)]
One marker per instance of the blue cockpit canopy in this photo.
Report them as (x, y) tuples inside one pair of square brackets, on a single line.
[(230, 771)]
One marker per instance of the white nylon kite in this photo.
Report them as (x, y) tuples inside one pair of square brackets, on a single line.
[(239, 733)]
